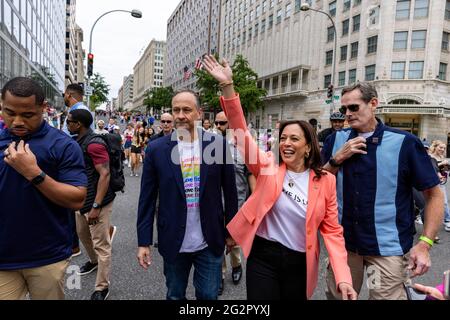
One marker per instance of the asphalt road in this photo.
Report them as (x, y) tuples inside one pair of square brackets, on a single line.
[(130, 282)]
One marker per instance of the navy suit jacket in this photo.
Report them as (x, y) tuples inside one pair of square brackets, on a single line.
[(161, 175)]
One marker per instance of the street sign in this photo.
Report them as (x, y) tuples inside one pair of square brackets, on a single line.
[(88, 91)]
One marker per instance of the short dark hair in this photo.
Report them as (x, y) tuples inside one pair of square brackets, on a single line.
[(195, 94), (368, 91), (24, 88), (76, 88), (314, 161), (82, 116)]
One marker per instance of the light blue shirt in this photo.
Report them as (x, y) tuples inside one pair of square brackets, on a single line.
[(77, 106)]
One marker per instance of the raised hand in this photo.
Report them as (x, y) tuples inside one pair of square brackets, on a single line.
[(220, 71)]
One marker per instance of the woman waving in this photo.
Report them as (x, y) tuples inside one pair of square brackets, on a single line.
[(278, 226)]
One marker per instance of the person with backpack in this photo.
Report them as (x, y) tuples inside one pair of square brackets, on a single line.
[(93, 220)]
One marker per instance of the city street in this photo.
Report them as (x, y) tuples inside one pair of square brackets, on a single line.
[(130, 282)]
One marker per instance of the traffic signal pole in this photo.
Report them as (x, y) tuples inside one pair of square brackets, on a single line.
[(134, 13)]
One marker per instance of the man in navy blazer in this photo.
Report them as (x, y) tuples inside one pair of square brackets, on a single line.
[(197, 199)]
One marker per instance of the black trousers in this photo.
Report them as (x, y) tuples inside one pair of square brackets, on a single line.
[(275, 272)]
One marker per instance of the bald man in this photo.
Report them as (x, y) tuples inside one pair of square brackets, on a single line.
[(166, 126)]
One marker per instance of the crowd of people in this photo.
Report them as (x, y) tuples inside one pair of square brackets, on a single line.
[(216, 192)]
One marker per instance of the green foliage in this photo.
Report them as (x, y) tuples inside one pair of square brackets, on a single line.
[(245, 83), (159, 98), (101, 91)]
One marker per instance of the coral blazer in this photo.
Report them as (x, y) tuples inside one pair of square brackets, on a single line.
[(322, 213)]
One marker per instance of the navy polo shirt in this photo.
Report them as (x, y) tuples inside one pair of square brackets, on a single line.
[(34, 231), (375, 196)]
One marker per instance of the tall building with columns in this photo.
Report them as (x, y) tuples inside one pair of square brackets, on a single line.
[(401, 46), (192, 30), (148, 72)]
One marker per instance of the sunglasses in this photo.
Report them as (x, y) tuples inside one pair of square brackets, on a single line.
[(166, 121), (221, 123), (352, 108)]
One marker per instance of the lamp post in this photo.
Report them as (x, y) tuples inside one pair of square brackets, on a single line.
[(307, 7), (134, 13)]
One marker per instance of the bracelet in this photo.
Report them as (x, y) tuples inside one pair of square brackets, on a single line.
[(225, 84), (427, 240)]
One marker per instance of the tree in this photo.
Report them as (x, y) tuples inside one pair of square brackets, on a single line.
[(159, 98), (245, 83), (100, 91)]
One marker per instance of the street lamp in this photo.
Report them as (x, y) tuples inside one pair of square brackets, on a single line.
[(307, 7), (134, 13)]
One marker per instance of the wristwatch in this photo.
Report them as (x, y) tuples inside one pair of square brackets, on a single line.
[(39, 179), (95, 205), (333, 163)]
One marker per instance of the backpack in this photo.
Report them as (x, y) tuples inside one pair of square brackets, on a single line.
[(113, 144)]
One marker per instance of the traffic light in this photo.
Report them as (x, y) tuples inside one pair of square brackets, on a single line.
[(90, 62), (330, 93)]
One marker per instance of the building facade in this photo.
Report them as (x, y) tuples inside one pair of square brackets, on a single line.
[(32, 43), (148, 72), (192, 30), (80, 54), (402, 46), (70, 41), (128, 92)]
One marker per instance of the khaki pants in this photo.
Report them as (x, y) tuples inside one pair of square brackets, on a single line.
[(386, 276), (43, 283), (97, 242), (235, 259)]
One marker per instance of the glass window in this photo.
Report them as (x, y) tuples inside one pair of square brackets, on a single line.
[(421, 9), (342, 78), (398, 70), (415, 70), (279, 15), (347, 4), (443, 71), (270, 21), (356, 2), (329, 57), (345, 27), (344, 50), (354, 50), (298, 4), (327, 81), (356, 23), (370, 73), (372, 44), (330, 34), (418, 39), (447, 10), (288, 10), (7, 16), (352, 76), (332, 8), (445, 37), (403, 9), (263, 25), (400, 40)]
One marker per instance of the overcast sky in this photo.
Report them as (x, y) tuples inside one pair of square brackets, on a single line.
[(118, 38)]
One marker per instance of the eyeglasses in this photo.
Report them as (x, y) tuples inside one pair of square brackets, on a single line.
[(166, 121), (352, 108), (221, 123)]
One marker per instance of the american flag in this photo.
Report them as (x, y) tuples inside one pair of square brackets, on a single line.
[(187, 73)]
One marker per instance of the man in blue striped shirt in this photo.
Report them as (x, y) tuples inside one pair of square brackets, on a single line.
[(377, 168)]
